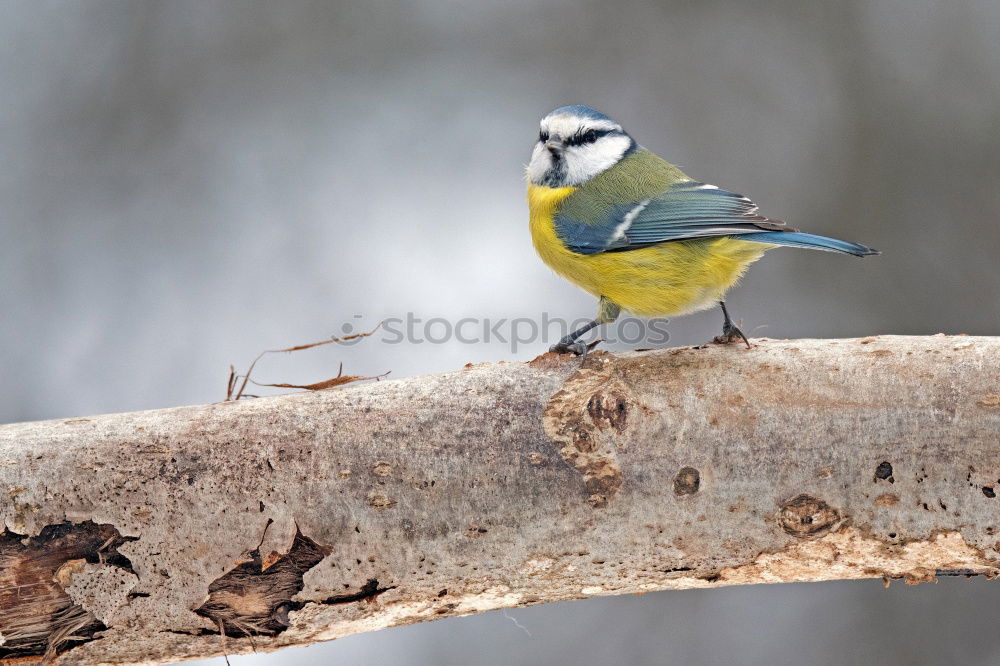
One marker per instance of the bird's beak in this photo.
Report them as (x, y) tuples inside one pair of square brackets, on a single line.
[(553, 147)]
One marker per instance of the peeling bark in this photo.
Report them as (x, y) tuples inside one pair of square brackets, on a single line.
[(290, 520), (39, 615)]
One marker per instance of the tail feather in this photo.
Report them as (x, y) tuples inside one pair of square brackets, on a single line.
[(811, 241)]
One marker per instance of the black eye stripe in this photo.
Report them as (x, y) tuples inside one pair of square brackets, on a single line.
[(589, 136), (580, 137)]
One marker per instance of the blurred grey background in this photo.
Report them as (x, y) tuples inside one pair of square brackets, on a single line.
[(186, 183)]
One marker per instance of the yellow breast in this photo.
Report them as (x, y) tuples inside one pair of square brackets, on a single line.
[(661, 280)]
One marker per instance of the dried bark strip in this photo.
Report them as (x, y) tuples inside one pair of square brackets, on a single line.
[(290, 520)]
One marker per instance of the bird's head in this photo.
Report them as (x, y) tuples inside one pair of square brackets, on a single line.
[(575, 143)]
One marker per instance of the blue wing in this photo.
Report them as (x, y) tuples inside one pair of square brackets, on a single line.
[(810, 241), (686, 211)]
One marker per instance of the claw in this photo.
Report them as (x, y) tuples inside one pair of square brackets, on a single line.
[(576, 347), (572, 344), (731, 333)]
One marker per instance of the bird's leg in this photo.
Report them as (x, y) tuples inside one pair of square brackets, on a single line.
[(571, 344), (730, 331), (607, 312)]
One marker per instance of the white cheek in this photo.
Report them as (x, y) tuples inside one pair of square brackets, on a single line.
[(541, 162), (586, 161)]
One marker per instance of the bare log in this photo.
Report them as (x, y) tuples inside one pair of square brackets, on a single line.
[(285, 521)]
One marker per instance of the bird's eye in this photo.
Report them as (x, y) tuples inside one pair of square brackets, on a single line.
[(580, 138), (543, 136)]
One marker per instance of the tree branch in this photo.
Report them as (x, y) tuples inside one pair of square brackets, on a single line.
[(301, 518)]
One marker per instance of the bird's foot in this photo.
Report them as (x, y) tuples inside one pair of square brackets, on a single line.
[(731, 333), (575, 347)]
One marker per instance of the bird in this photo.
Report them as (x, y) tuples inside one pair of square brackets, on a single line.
[(638, 233)]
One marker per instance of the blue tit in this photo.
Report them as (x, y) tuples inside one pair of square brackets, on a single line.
[(636, 232)]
